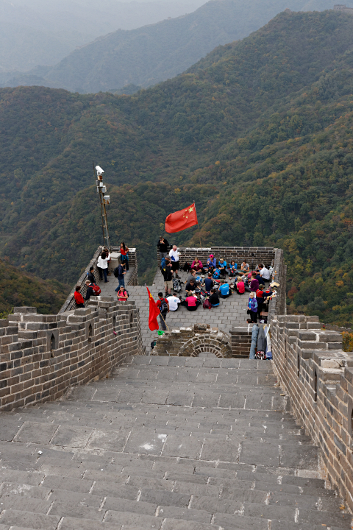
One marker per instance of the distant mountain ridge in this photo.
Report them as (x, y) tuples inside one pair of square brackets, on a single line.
[(154, 53)]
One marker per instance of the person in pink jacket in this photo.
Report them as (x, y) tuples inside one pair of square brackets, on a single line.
[(197, 265)]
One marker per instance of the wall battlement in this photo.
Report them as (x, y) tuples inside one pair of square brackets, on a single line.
[(43, 355)]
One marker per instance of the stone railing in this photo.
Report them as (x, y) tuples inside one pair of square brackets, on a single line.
[(70, 303), (318, 377), (43, 355)]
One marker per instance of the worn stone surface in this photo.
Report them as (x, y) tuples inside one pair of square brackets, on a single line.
[(166, 443)]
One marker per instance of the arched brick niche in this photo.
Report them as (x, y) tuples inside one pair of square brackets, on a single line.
[(217, 343)]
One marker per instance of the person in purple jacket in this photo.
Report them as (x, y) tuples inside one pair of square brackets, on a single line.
[(253, 307), (254, 284), (211, 264)]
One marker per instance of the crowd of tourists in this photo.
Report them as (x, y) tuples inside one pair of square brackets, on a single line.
[(209, 282)]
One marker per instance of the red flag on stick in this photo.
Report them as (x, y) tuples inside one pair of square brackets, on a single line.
[(182, 219), (153, 314)]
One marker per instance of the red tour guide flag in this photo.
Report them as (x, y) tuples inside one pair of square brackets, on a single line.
[(178, 221), (154, 312)]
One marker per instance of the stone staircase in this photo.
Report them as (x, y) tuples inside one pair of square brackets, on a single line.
[(169, 443)]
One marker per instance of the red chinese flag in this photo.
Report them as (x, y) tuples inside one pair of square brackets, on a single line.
[(154, 312), (178, 221)]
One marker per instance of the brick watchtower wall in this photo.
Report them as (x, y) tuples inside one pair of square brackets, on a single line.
[(43, 355), (318, 377)]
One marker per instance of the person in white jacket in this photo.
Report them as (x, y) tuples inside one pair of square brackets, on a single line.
[(102, 266)]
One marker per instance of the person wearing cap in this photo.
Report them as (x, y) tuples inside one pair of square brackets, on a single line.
[(191, 285), (211, 264)]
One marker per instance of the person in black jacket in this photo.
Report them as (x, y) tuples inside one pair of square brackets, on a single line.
[(167, 272), (214, 299), (191, 285), (89, 287), (163, 247), (90, 275)]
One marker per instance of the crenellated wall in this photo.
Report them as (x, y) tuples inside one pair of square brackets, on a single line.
[(318, 376), (43, 355)]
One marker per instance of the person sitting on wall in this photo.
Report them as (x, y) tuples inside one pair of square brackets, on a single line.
[(239, 285), (78, 297), (122, 294), (232, 269), (124, 255), (191, 302), (163, 247), (197, 266), (224, 290), (214, 299), (210, 264), (222, 265)]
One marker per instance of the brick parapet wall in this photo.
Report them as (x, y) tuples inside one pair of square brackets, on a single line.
[(252, 255), (41, 356), (241, 341), (133, 280), (318, 376)]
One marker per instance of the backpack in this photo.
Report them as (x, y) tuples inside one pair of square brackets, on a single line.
[(116, 271), (163, 307), (163, 263), (207, 304), (96, 290), (186, 267), (216, 273), (176, 285)]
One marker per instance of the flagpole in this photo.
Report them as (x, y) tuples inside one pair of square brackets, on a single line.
[(164, 321), (196, 214)]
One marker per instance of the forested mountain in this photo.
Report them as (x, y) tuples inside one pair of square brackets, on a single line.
[(154, 53), (18, 289), (42, 32), (258, 134)]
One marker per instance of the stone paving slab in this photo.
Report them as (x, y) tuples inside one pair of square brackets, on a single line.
[(204, 444)]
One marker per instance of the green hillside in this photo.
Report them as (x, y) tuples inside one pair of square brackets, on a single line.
[(18, 289), (154, 53), (258, 133)]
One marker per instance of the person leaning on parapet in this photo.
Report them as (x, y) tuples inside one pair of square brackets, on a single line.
[(264, 273), (90, 275), (163, 247), (174, 255), (89, 289), (124, 255), (167, 272), (78, 297)]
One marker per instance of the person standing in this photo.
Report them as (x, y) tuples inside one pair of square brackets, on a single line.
[(78, 297), (163, 247), (167, 272), (120, 272), (124, 255), (122, 295), (163, 305), (102, 266), (174, 255), (89, 290), (252, 305), (90, 275)]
